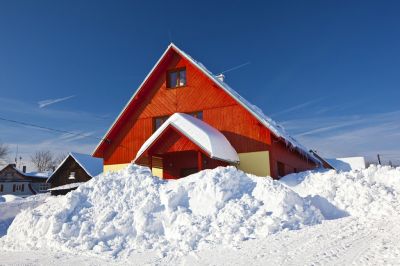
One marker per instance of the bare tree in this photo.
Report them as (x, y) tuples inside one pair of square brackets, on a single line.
[(4, 150), (43, 160), (59, 159)]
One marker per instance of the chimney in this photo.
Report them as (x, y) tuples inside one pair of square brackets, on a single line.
[(221, 77), (24, 168)]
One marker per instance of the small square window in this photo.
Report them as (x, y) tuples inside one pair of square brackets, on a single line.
[(71, 175), (176, 78)]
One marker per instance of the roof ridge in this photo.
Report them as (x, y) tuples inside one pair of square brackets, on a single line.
[(273, 126)]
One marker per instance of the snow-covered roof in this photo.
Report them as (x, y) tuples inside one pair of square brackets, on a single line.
[(275, 128), (44, 175), (67, 186), (347, 163), (203, 135), (92, 166)]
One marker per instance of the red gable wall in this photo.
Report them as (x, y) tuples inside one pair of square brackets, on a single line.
[(221, 111)]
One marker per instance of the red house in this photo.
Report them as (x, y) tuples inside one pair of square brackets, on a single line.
[(182, 119)]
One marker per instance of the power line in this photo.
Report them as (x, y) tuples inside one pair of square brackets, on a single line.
[(52, 129)]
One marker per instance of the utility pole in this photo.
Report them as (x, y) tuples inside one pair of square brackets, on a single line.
[(379, 159)]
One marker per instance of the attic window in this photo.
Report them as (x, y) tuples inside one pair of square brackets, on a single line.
[(71, 175), (176, 78)]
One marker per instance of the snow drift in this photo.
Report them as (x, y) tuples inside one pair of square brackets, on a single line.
[(130, 210), (368, 193), (11, 205)]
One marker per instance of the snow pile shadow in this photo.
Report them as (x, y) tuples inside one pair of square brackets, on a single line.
[(369, 193), (132, 211)]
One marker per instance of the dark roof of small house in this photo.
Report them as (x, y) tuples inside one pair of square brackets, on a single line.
[(92, 166)]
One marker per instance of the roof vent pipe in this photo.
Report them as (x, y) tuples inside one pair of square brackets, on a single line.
[(221, 77)]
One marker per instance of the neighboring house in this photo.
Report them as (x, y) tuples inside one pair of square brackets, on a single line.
[(75, 169), (348, 163), (20, 183), (182, 119)]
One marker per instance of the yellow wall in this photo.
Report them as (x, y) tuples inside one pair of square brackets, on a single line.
[(114, 167), (256, 163), (157, 172)]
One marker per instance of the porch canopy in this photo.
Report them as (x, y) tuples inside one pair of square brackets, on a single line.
[(183, 132)]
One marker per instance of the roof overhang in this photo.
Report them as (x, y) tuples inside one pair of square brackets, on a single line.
[(204, 136)]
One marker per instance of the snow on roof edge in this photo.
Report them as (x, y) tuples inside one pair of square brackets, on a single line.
[(189, 126), (75, 156), (275, 128), (88, 168), (133, 96)]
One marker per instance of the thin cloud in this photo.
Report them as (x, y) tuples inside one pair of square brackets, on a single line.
[(297, 107), (352, 135), (48, 102)]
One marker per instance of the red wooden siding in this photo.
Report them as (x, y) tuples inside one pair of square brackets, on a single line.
[(172, 141), (292, 160), (173, 163), (220, 110)]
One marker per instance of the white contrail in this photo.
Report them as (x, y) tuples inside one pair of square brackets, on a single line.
[(45, 103), (297, 107)]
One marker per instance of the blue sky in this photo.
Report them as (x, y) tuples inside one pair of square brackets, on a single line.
[(327, 71)]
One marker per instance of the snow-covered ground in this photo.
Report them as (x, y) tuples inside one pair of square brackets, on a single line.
[(11, 205), (217, 217)]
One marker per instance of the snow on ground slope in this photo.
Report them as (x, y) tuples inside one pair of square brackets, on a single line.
[(11, 205), (134, 216), (346, 241), (368, 193), (131, 211)]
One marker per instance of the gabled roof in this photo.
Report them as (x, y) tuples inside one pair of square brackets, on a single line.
[(210, 140), (92, 166), (37, 175), (276, 129)]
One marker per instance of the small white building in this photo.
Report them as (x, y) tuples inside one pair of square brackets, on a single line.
[(347, 163), (19, 183)]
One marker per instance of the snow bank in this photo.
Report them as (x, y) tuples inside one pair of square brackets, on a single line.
[(9, 198), (118, 213), (368, 193), (11, 205)]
